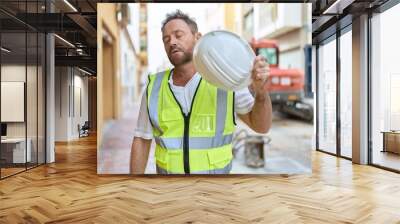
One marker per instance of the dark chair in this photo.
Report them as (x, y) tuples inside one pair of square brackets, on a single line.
[(84, 130)]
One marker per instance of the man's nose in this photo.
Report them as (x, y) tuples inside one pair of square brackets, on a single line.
[(173, 41)]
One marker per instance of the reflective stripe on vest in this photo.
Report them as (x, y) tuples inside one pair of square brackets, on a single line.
[(224, 170), (217, 148), (195, 142), (153, 102)]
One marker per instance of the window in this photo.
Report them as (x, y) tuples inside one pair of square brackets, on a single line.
[(267, 14), (269, 54), (346, 94), (22, 78), (385, 89), (327, 96)]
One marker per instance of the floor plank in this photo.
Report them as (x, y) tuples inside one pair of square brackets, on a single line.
[(70, 191)]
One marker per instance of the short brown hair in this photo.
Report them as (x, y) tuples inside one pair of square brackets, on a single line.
[(178, 14)]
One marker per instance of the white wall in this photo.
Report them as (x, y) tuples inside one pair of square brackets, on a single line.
[(80, 109), (71, 87), (133, 27), (128, 70), (61, 103), (215, 18), (238, 19), (288, 17)]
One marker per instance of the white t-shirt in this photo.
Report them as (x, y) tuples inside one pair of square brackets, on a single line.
[(184, 94)]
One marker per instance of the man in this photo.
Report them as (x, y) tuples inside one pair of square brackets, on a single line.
[(191, 120)]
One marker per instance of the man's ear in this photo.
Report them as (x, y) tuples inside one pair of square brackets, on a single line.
[(198, 35)]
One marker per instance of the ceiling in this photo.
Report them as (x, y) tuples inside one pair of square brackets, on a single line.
[(330, 15), (75, 21)]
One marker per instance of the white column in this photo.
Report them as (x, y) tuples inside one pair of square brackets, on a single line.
[(50, 99), (360, 90), (50, 92)]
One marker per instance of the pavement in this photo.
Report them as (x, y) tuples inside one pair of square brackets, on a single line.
[(289, 151)]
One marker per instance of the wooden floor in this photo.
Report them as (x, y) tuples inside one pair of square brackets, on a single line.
[(387, 159), (10, 171), (70, 191)]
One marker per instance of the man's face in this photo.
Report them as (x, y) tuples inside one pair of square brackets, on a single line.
[(179, 42)]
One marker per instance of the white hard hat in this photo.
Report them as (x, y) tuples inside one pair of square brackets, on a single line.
[(224, 59)]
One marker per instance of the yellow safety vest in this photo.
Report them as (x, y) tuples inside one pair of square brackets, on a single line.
[(199, 142)]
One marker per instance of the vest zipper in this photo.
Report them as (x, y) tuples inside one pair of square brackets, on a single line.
[(186, 121), (186, 164)]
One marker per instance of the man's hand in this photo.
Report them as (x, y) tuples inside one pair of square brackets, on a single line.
[(259, 74), (260, 117)]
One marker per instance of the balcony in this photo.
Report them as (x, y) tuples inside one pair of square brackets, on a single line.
[(275, 20)]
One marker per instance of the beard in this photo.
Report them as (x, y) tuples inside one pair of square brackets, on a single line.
[(181, 59)]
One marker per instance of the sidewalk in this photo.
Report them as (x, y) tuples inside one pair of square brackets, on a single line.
[(288, 152), (114, 153)]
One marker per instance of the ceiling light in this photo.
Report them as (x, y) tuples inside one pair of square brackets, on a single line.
[(337, 7), (80, 51), (84, 71), (5, 50), (70, 5), (65, 41), (331, 7)]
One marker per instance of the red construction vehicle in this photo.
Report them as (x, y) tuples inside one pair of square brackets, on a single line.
[(286, 86)]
